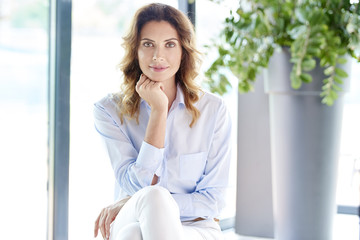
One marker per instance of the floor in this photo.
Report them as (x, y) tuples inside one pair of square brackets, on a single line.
[(231, 235), (345, 227)]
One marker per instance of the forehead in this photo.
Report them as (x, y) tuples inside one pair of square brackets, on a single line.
[(158, 31)]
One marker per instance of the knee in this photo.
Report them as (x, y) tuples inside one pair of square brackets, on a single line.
[(131, 231), (158, 196)]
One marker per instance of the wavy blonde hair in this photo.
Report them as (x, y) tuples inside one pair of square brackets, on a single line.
[(129, 104)]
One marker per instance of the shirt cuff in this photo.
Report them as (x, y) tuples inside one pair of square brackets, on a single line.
[(150, 157)]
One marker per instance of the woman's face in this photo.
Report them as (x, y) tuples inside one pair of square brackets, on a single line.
[(159, 51)]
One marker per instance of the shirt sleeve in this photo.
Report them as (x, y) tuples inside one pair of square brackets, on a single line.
[(208, 198), (133, 169)]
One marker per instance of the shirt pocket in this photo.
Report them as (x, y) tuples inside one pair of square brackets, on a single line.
[(192, 166)]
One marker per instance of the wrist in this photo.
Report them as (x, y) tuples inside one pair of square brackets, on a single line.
[(159, 111)]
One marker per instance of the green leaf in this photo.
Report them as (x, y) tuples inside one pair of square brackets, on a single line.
[(333, 95), (319, 28), (305, 77), (341, 60), (252, 73), (244, 86), (313, 51), (229, 34), (223, 51), (294, 60), (327, 100), (295, 81), (308, 64), (341, 73), (297, 31), (326, 86), (332, 58), (300, 14), (338, 80), (328, 71), (323, 62), (337, 88), (317, 41)]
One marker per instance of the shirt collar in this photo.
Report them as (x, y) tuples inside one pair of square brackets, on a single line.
[(179, 99)]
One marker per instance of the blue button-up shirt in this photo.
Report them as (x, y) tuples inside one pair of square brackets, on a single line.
[(193, 165)]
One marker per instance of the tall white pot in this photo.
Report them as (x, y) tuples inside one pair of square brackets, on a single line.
[(305, 140)]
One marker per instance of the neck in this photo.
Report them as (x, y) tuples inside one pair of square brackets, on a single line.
[(170, 91)]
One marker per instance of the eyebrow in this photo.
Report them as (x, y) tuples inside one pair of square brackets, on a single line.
[(167, 40)]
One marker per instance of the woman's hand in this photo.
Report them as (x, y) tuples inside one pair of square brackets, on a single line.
[(153, 93), (107, 216)]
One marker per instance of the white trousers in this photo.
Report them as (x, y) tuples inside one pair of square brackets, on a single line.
[(153, 214)]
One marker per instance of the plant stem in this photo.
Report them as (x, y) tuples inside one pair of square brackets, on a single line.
[(330, 82), (303, 53)]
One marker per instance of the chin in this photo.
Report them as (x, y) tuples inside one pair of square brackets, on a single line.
[(159, 77)]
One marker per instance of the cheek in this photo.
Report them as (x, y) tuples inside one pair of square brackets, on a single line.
[(177, 58), (174, 57), (141, 59), (140, 55)]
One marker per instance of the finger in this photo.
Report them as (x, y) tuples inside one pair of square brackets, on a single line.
[(102, 223), (147, 84), (161, 85), (144, 83), (140, 81), (143, 86), (146, 79), (96, 229), (142, 78), (108, 221)]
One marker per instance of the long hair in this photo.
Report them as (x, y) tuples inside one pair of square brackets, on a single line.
[(129, 104)]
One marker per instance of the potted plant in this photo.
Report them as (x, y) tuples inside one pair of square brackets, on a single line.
[(303, 46), (323, 30)]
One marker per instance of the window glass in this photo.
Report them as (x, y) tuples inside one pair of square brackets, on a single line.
[(23, 122), (98, 26), (349, 162)]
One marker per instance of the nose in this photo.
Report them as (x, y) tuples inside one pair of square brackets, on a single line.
[(158, 55)]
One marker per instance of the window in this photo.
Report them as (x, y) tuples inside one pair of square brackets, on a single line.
[(349, 162), (23, 122)]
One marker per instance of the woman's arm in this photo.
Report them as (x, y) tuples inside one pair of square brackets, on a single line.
[(134, 166), (134, 161), (152, 92)]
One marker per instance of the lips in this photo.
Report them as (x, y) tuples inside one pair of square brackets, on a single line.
[(159, 68)]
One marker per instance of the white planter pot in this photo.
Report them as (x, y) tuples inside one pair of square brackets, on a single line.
[(305, 141)]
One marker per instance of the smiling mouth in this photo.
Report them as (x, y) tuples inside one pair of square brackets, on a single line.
[(158, 68)]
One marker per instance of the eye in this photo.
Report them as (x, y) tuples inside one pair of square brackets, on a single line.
[(170, 44), (148, 44)]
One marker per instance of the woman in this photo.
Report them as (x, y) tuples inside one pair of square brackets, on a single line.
[(168, 140)]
